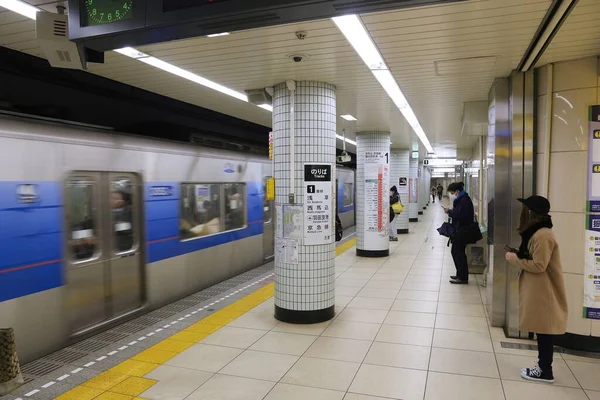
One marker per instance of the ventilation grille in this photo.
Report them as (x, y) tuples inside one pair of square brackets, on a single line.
[(39, 368), (60, 28), (63, 56)]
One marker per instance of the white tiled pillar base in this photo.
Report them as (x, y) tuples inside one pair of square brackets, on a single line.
[(399, 169), (413, 206), (374, 246), (304, 292)]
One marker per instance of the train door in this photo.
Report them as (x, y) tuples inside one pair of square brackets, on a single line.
[(104, 252), (268, 224)]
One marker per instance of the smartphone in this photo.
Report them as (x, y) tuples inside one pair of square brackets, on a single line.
[(509, 249)]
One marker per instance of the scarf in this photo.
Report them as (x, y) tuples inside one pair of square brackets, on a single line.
[(527, 234)]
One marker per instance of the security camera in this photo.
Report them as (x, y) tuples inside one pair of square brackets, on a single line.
[(297, 58)]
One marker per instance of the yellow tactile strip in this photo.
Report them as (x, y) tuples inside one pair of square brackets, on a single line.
[(126, 381)]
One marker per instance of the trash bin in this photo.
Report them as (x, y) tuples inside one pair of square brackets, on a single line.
[(10, 371)]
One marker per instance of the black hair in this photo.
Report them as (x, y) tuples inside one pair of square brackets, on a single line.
[(394, 189)]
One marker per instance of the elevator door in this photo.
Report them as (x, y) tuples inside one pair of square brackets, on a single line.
[(104, 256)]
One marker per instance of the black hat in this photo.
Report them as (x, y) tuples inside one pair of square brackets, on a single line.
[(538, 204)]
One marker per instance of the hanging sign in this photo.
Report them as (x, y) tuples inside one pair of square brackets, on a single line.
[(318, 204), (591, 302), (376, 197)]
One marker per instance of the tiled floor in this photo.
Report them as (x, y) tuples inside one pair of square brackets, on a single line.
[(401, 332)]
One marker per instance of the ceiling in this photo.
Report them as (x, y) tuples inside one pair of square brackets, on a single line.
[(441, 56)]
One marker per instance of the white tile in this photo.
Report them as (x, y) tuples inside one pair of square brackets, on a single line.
[(467, 310), (510, 369), (459, 323), (417, 295), (228, 336), (342, 301), (284, 343), (466, 298), (259, 365), (569, 357), (204, 357), (575, 74), (321, 373), (378, 293), (255, 321), (371, 304), (422, 279), (346, 291), (339, 349), (461, 387), (587, 374), (222, 387), (174, 383), (423, 320), (352, 330), (526, 391), (395, 285), (462, 340), (447, 287), (421, 286), (593, 395), (415, 306), (562, 182), (398, 355), (395, 383), (405, 335), (283, 391), (355, 396), (362, 315), (308, 329), (464, 362), (357, 283)]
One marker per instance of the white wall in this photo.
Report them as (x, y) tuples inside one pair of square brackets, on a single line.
[(575, 88)]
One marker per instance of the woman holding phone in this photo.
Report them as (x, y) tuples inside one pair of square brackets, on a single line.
[(542, 294)]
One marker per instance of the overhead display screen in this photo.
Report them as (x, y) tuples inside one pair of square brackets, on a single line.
[(102, 12), (174, 5)]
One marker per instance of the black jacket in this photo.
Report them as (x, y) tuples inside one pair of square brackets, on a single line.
[(393, 200), (462, 213)]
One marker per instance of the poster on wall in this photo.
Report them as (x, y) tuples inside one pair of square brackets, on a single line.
[(403, 189), (591, 288), (376, 191), (318, 204), (413, 190)]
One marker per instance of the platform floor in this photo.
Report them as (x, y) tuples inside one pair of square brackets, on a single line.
[(401, 332)]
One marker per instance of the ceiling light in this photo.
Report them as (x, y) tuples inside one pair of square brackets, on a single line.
[(20, 7), (132, 53), (267, 107), (358, 37), (361, 41), (349, 141), (348, 117), (218, 34)]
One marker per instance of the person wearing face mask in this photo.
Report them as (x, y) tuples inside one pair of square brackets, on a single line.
[(394, 198), (463, 215), (543, 305)]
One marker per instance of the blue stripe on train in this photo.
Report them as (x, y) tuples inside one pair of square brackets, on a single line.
[(32, 234)]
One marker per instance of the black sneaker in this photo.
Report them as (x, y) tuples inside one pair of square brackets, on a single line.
[(454, 277), (537, 375), (458, 282)]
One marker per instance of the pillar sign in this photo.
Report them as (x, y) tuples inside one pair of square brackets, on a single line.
[(377, 171), (318, 204)]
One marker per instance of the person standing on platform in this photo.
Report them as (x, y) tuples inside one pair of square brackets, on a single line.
[(542, 294), (440, 192), (463, 215), (394, 198)]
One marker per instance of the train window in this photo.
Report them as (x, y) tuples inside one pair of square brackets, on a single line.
[(121, 204), (200, 210), (235, 211), (82, 216), (348, 194)]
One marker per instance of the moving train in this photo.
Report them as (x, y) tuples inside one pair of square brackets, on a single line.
[(97, 227)]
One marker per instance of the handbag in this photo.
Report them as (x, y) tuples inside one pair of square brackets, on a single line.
[(397, 208), (447, 230), (469, 234), (339, 230)]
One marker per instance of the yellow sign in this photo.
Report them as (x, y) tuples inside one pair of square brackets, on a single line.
[(596, 168), (270, 189)]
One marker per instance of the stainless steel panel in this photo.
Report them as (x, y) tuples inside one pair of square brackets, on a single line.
[(86, 296)]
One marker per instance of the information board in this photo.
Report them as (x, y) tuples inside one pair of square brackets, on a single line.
[(376, 193), (318, 204), (591, 301)]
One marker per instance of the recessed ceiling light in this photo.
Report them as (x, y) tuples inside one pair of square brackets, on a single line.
[(348, 117), (340, 137), (20, 7), (218, 34)]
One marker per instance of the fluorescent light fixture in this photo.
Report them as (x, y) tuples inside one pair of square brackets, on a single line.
[(218, 34), (349, 141), (132, 53), (348, 117), (357, 35), (355, 32), (267, 107), (20, 7)]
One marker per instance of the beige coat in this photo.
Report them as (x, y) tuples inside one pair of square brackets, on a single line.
[(542, 294)]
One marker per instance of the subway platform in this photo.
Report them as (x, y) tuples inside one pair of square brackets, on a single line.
[(401, 331)]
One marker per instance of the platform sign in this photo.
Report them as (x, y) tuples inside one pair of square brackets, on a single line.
[(376, 183), (591, 301), (318, 204)]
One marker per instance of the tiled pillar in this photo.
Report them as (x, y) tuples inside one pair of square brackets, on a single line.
[(372, 194), (422, 197), (399, 178), (413, 190), (304, 261)]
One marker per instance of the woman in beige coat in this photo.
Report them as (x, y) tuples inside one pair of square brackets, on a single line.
[(542, 294)]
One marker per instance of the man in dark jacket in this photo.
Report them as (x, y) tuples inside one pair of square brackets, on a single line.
[(462, 215)]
